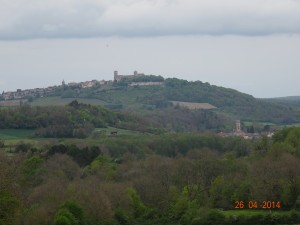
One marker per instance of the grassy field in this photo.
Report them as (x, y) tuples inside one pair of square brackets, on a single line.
[(251, 212), (120, 132), (13, 137), (15, 134)]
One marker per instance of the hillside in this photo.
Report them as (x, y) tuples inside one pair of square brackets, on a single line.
[(146, 99), (177, 104), (288, 98), (290, 101)]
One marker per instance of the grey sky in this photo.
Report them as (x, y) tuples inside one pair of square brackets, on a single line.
[(249, 45), (22, 19)]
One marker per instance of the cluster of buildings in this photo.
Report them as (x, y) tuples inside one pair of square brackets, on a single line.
[(41, 92), (22, 94), (238, 132), (85, 84)]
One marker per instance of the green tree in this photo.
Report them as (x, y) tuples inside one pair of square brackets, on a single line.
[(70, 213), (8, 208), (221, 193), (10, 200), (32, 170), (65, 217), (136, 203)]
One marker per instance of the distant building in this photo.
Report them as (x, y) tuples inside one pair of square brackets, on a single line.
[(118, 77), (238, 131), (102, 82), (88, 84), (238, 126)]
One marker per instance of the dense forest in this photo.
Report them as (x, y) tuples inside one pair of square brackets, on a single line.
[(230, 101), (178, 178), (169, 166)]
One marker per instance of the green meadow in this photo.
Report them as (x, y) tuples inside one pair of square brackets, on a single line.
[(15, 134)]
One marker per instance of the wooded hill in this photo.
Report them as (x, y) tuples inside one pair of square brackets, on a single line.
[(152, 100), (290, 101)]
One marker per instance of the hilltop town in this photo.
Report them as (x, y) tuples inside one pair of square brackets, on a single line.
[(41, 92), (13, 98)]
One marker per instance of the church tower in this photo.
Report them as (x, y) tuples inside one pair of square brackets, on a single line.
[(116, 75), (238, 126), (63, 84)]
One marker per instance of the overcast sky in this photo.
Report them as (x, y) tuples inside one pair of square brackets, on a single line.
[(249, 45)]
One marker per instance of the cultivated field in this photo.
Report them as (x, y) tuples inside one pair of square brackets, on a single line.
[(116, 131)]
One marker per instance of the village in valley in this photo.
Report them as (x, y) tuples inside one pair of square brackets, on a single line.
[(239, 132)]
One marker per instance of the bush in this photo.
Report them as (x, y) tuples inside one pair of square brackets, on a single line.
[(122, 217), (8, 208), (23, 147), (64, 217), (215, 217), (212, 217), (2, 145), (294, 217)]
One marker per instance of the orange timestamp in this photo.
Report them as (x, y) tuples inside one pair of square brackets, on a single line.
[(257, 205)]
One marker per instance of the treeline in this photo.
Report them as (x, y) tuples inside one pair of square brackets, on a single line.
[(79, 120), (73, 120), (146, 78), (168, 179)]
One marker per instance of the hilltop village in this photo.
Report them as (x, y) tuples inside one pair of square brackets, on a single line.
[(40, 92), (12, 98)]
